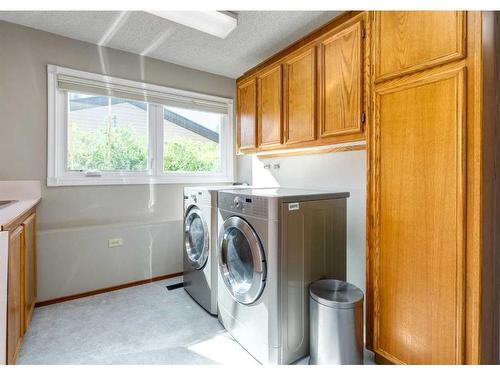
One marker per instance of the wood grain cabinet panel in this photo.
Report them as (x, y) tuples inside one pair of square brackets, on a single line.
[(408, 41), (419, 218), (300, 97), (247, 115), (14, 295), (341, 82), (29, 240), (269, 108)]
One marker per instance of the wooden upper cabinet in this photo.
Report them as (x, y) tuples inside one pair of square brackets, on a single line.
[(341, 71), (14, 295), (408, 41), (29, 239), (269, 108), (247, 115), (418, 255), (300, 97), (314, 93)]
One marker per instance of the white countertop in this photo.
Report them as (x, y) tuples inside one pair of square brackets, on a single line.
[(10, 213), (27, 194)]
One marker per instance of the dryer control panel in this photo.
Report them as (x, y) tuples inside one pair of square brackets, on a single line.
[(245, 204)]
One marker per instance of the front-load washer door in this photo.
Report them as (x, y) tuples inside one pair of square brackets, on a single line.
[(196, 238), (242, 263)]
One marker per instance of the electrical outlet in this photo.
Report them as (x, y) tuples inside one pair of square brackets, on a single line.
[(115, 242)]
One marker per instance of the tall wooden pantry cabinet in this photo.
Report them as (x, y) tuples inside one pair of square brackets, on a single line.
[(433, 196)]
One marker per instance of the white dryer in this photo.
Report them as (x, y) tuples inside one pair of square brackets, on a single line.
[(200, 243), (272, 244)]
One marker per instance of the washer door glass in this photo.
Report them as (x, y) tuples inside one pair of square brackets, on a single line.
[(241, 260), (196, 241)]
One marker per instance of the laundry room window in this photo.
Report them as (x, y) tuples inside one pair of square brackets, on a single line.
[(106, 134), (104, 130), (191, 140)]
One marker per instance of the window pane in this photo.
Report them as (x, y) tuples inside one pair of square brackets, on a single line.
[(107, 134), (191, 140)]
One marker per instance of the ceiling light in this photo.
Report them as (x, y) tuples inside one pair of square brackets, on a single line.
[(214, 22)]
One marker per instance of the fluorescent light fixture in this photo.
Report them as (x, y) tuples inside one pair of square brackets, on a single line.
[(214, 22)]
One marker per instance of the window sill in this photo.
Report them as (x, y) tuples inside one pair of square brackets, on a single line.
[(142, 180)]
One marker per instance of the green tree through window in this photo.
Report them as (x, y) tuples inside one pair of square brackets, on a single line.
[(107, 149), (189, 155), (119, 149)]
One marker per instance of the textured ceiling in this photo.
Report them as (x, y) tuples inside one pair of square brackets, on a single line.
[(259, 35)]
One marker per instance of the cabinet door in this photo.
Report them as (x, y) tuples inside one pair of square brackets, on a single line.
[(418, 243), (411, 41), (300, 97), (14, 295), (29, 239), (341, 82), (269, 108), (247, 115)]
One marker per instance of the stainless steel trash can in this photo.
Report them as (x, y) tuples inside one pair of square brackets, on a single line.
[(336, 323)]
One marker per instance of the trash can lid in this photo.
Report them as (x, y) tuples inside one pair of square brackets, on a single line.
[(336, 293)]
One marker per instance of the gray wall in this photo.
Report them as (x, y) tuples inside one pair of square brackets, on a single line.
[(74, 223), (344, 171)]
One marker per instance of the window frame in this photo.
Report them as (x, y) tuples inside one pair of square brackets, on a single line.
[(57, 173)]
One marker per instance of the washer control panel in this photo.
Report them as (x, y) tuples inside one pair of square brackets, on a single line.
[(199, 197), (242, 203)]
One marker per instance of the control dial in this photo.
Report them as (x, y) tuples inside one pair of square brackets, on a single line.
[(238, 202)]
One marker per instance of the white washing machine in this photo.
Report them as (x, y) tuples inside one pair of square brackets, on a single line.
[(272, 244), (200, 243)]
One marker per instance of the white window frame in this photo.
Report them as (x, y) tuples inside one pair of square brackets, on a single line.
[(57, 173)]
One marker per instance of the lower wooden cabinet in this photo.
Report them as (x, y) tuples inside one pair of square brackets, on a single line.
[(14, 295), (29, 241), (21, 284)]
